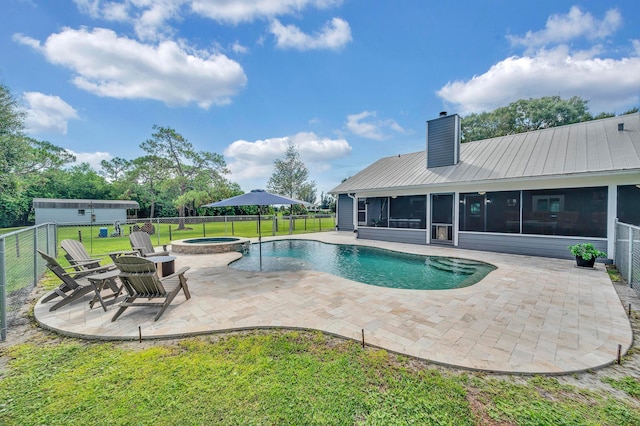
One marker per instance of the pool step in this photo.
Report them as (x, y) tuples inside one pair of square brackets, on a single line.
[(454, 266)]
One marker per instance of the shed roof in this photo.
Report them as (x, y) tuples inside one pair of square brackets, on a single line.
[(62, 203), (583, 148)]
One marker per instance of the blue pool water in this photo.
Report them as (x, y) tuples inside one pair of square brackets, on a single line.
[(209, 240), (367, 265)]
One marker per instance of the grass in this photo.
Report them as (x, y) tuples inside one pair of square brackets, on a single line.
[(275, 377), (630, 385), (278, 377), (614, 274), (166, 232), (20, 271)]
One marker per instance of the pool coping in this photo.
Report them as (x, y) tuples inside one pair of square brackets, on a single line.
[(210, 247), (529, 316)]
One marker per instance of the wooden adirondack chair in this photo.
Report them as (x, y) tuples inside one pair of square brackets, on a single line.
[(141, 281), (141, 242), (70, 289), (80, 259)]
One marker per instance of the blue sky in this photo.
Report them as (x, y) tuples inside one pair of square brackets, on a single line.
[(347, 81)]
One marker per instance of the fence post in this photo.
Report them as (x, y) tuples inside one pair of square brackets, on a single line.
[(158, 228), (55, 239), (630, 258), (3, 295), (35, 259), (204, 231)]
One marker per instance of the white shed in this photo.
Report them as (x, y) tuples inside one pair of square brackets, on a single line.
[(65, 211)]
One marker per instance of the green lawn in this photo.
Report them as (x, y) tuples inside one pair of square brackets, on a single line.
[(274, 377), (279, 377), (20, 271), (165, 232)]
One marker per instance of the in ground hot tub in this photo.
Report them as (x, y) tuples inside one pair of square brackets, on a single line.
[(209, 245)]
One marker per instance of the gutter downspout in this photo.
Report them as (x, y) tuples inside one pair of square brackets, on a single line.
[(354, 210)]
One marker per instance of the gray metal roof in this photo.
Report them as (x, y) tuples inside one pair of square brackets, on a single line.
[(582, 148), (62, 203)]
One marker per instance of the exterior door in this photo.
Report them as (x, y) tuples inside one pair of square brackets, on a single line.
[(442, 218)]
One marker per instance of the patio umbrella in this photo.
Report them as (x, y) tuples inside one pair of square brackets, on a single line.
[(257, 197)]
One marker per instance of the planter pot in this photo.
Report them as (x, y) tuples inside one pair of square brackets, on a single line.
[(585, 263)]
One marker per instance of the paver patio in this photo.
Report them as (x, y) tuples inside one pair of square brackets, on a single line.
[(531, 315)]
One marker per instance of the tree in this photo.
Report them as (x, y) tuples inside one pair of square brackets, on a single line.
[(327, 202), (22, 161), (115, 169), (290, 177), (185, 168), (77, 182), (144, 180), (525, 115)]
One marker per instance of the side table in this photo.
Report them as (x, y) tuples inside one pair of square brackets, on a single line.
[(99, 281)]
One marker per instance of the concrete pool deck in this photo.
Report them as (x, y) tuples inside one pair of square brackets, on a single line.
[(531, 315)]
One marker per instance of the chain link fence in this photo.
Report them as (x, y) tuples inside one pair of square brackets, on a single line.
[(101, 238), (21, 267), (628, 253)]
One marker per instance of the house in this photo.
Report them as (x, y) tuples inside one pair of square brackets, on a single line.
[(81, 212), (531, 193)]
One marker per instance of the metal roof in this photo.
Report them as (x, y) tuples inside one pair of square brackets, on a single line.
[(62, 203), (590, 147)]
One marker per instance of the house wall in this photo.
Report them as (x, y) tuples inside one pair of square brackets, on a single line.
[(530, 245), (344, 213), (410, 236), (59, 215), (533, 245)]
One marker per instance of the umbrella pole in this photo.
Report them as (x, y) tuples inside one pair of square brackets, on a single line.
[(259, 238)]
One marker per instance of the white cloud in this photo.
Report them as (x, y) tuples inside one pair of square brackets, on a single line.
[(239, 48), (112, 66), (575, 24), (609, 84), (89, 7), (93, 158), (334, 35), (46, 113), (118, 12), (27, 41), (151, 19), (372, 128), (236, 11), (251, 163)]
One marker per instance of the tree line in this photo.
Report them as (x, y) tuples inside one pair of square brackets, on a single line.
[(526, 115), (170, 179)]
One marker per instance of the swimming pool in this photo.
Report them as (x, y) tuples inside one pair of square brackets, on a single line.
[(367, 265)]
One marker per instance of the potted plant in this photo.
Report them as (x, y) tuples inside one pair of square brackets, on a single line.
[(586, 254)]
